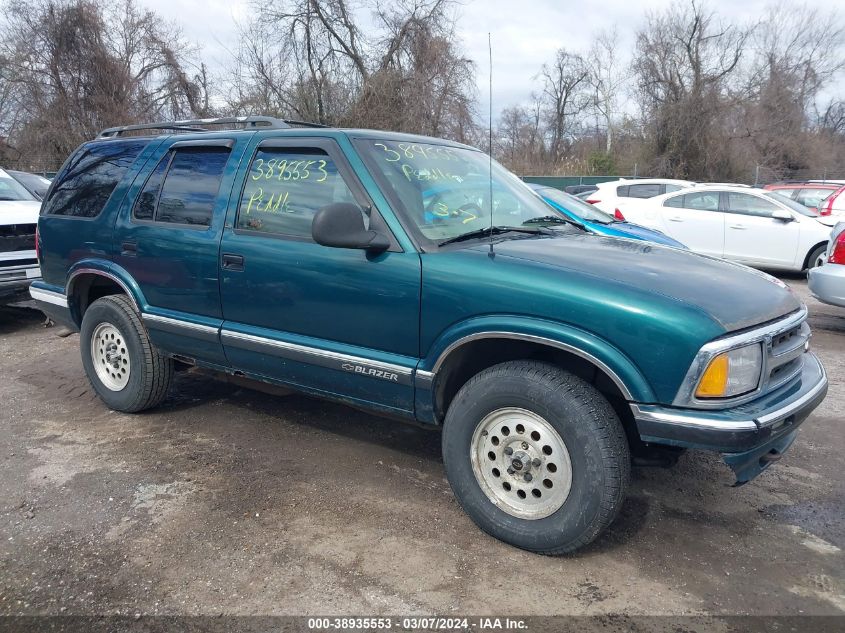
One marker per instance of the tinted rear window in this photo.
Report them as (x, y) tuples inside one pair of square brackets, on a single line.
[(92, 173), (643, 191)]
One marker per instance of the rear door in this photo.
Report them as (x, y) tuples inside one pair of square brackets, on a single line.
[(753, 236), (167, 237), (695, 220)]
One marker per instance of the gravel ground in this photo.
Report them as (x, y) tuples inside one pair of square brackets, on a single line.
[(227, 500)]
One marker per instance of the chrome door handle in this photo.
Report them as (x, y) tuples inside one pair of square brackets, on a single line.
[(676, 218), (740, 227)]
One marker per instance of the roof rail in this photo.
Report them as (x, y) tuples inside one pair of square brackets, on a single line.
[(195, 125), (303, 123)]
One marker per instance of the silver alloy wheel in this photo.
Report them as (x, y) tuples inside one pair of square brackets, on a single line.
[(110, 356), (521, 463)]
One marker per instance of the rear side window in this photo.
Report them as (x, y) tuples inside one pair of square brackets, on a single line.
[(90, 176), (285, 187), (644, 191), (704, 201), (183, 187)]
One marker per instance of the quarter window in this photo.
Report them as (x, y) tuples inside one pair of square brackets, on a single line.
[(90, 176), (750, 205), (183, 187), (704, 201), (643, 191), (285, 188)]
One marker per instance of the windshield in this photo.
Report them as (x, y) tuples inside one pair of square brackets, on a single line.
[(575, 206), (445, 191), (798, 208), (34, 183), (11, 189)]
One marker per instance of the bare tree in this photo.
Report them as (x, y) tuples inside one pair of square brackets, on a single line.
[(406, 74), (684, 63), (607, 78), (794, 56), (565, 97), (74, 67)]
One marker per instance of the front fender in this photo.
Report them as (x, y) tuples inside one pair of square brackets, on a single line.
[(600, 352)]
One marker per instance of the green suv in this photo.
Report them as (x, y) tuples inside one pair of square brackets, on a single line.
[(416, 278)]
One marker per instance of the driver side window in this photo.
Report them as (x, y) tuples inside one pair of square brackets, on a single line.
[(703, 201), (750, 205), (284, 189)]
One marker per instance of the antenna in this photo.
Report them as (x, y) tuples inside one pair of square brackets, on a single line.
[(490, 137)]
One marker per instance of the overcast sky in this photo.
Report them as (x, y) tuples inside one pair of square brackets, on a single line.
[(525, 33)]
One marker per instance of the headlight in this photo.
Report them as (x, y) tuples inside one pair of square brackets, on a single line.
[(732, 373)]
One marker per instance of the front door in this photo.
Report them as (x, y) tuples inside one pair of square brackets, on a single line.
[(754, 237), (337, 321)]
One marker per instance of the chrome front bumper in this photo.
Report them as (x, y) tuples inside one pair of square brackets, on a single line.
[(746, 433)]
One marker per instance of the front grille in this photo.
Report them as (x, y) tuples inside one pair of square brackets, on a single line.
[(17, 237), (784, 352)]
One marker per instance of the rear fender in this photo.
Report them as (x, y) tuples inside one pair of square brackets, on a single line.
[(103, 268)]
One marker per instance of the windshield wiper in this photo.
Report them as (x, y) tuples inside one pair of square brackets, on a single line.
[(496, 230), (552, 219)]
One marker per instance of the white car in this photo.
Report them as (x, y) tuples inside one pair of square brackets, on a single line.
[(609, 195), (750, 226), (18, 219)]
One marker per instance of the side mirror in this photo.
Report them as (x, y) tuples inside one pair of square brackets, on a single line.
[(341, 225), (782, 215)]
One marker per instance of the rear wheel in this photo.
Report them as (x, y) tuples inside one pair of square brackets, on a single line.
[(124, 368), (816, 256), (536, 456)]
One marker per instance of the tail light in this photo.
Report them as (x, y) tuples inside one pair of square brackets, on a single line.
[(837, 250), (618, 215), (827, 209), (593, 200)]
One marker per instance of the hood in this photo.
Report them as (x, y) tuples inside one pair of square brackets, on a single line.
[(19, 211), (733, 295)]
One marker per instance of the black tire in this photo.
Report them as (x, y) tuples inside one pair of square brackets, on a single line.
[(150, 373), (815, 254), (584, 420)]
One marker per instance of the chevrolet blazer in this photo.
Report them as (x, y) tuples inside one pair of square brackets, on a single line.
[(416, 278)]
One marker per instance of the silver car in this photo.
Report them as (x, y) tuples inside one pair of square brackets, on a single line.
[(827, 282)]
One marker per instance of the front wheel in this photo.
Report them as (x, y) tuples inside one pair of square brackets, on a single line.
[(536, 456), (123, 366)]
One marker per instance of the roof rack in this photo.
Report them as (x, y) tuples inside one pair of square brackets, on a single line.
[(196, 125)]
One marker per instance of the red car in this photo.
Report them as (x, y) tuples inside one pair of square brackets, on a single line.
[(816, 196)]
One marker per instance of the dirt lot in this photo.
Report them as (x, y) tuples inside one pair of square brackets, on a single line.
[(227, 500)]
